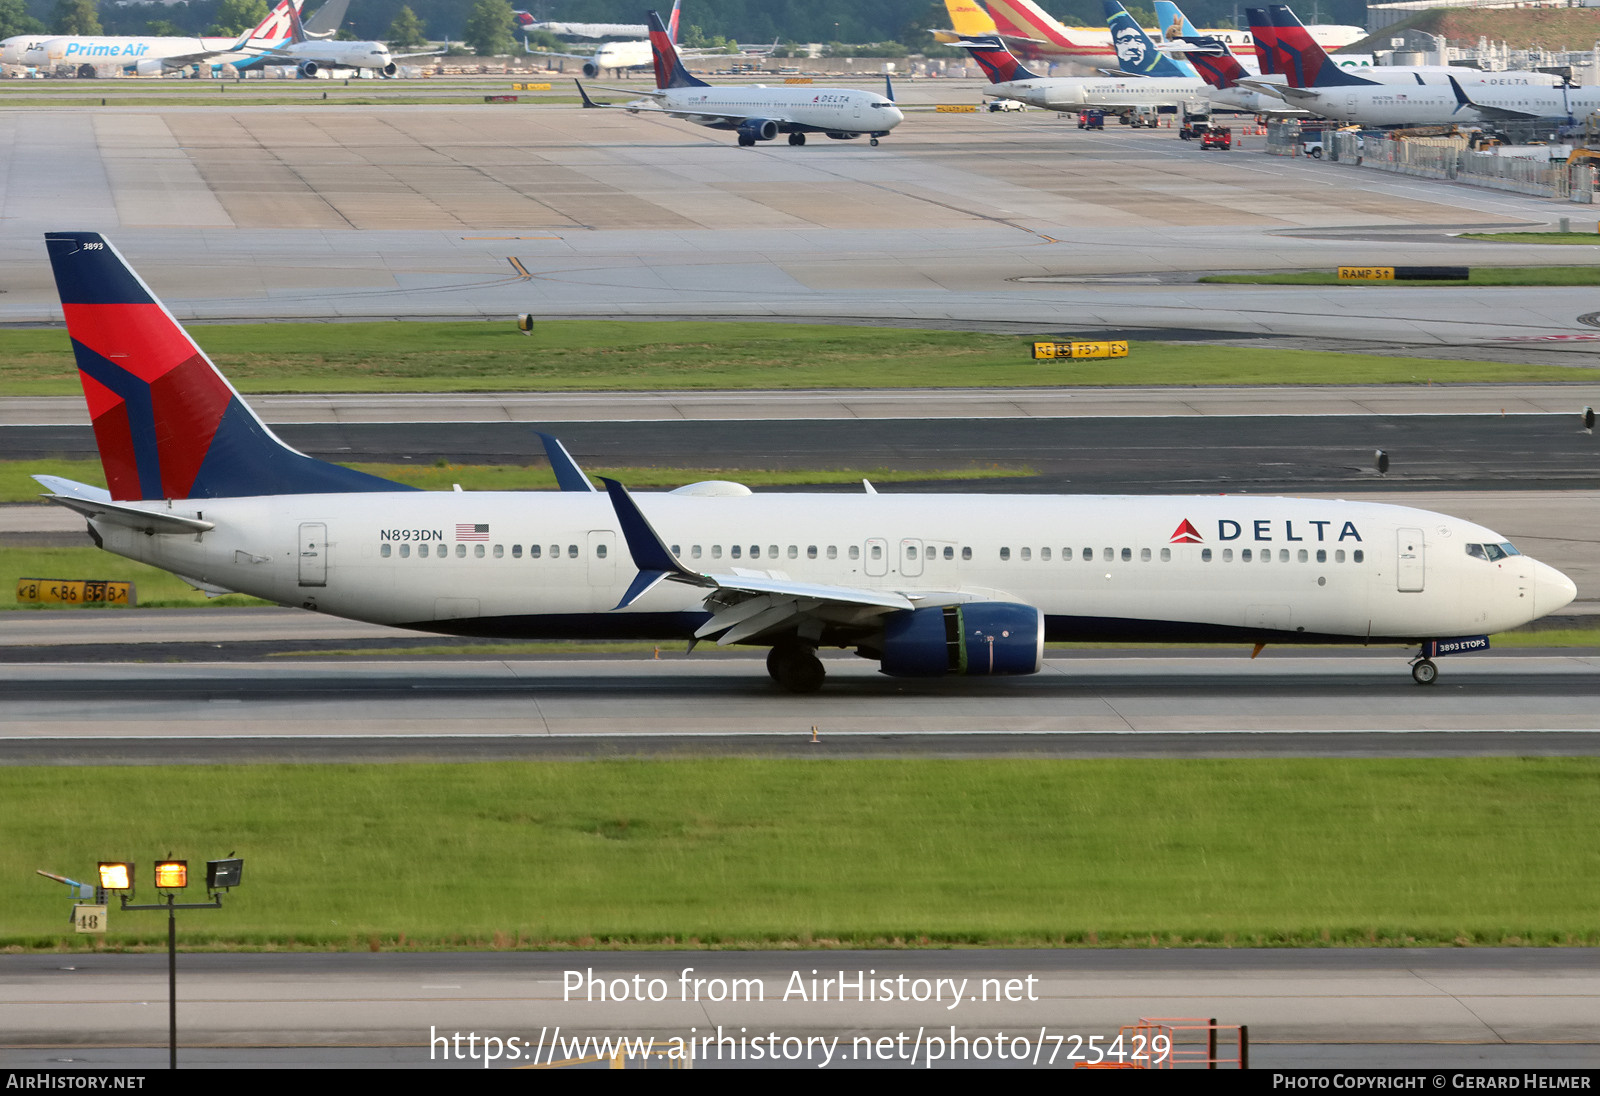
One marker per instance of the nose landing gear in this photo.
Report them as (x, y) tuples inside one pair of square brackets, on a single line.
[(1423, 671)]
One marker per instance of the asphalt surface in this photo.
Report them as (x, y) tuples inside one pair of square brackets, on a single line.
[(1093, 455), (1349, 1008)]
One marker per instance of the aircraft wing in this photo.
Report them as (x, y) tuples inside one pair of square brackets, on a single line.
[(743, 604), (427, 53)]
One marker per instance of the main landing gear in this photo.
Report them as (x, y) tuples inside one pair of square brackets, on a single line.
[(1423, 671), (797, 138), (794, 665)]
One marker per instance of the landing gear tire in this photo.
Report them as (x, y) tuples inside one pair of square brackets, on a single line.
[(87, 72), (796, 668), (874, 142), (745, 142), (797, 138), (1424, 672)]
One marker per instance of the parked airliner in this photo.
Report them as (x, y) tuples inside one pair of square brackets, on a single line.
[(1304, 76), (757, 112), (1009, 78), (310, 55), (151, 56), (926, 585)]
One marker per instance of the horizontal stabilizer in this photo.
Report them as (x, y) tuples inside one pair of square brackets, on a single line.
[(95, 502)]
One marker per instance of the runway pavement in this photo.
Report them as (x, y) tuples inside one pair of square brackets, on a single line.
[(1258, 707), (418, 211), (1427, 1009)]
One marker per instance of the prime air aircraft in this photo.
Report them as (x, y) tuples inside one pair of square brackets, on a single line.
[(147, 56), (757, 112), (925, 585)]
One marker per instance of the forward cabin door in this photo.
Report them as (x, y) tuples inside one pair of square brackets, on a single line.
[(1410, 563), (313, 553)]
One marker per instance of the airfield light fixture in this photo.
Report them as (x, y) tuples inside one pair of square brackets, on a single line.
[(115, 875), (223, 874), (172, 874)]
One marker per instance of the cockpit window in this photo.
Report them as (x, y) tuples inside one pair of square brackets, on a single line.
[(1509, 549), (1494, 552), (1476, 551)]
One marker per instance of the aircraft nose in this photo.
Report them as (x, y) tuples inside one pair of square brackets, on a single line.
[(896, 116), (1552, 590)]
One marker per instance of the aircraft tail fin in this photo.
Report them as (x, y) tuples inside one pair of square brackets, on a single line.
[(672, 23), (1301, 60), (670, 72), (1172, 23), (1025, 19), (278, 26), (968, 20), (1137, 55), (999, 64), (167, 423), (1215, 62)]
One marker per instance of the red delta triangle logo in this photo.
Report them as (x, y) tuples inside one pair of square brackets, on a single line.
[(1186, 533)]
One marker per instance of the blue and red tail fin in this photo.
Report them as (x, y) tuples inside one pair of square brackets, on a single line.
[(1214, 61), (1265, 37), (999, 64), (672, 22), (1301, 59), (167, 424), (670, 72)]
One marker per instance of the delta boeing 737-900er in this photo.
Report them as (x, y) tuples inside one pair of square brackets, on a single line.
[(926, 585), (757, 112)]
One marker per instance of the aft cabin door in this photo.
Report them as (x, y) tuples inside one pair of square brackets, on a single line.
[(1410, 564), (313, 554)]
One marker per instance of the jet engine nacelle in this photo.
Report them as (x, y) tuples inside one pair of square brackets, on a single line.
[(390, 69), (309, 68), (758, 129), (150, 66), (979, 638), (590, 69)]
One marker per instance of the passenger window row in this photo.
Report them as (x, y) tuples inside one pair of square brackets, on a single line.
[(1301, 555), (479, 551)]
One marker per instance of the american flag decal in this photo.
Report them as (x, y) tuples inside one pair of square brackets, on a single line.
[(472, 532)]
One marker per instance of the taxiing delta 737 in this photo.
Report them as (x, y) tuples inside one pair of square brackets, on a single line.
[(926, 584), (757, 112)]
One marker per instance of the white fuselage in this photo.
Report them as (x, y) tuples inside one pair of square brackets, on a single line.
[(1104, 92), (838, 110), (1436, 103), (124, 53), (333, 54), (543, 564)]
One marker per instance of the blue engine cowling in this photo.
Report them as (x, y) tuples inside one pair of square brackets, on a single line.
[(758, 129), (979, 638)]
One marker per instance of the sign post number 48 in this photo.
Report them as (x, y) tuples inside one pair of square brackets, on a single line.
[(89, 918)]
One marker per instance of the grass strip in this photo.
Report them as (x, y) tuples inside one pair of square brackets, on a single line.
[(17, 484), (764, 853), (1478, 275), (1590, 239), (573, 355)]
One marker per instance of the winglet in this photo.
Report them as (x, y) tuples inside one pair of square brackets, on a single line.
[(569, 477), (653, 558), (587, 102), (1461, 96)]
